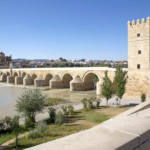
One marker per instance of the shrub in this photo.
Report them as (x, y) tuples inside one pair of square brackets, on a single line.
[(28, 123), (39, 131), (70, 110), (59, 118), (84, 102), (90, 103), (97, 103), (143, 97), (35, 134), (42, 126), (8, 123), (65, 109), (52, 114), (2, 126)]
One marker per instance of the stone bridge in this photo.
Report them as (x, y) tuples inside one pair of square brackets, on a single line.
[(77, 79)]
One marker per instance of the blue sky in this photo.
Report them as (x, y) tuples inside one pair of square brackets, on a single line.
[(73, 29)]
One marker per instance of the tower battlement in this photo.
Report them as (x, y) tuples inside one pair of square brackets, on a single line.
[(139, 44), (139, 22)]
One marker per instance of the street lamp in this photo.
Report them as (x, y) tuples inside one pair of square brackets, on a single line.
[(11, 68)]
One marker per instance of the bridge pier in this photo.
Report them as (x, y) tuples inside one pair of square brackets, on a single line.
[(18, 80), (10, 79), (39, 82), (27, 80), (76, 84), (3, 78), (56, 83), (45, 82), (99, 87)]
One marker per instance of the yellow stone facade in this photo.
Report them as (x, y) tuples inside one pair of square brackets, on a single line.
[(139, 45), (138, 57)]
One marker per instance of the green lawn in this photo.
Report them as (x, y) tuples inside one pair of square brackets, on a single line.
[(80, 121), (54, 101), (93, 116), (53, 132), (5, 137)]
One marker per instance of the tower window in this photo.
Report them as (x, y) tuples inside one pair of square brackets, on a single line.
[(139, 51), (138, 35), (138, 66)]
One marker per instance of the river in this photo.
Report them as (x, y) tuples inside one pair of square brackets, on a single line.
[(10, 93)]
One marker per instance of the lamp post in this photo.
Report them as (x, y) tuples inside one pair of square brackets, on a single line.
[(11, 68)]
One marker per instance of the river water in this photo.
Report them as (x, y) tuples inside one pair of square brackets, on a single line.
[(9, 95)]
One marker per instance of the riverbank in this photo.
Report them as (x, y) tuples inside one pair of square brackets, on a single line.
[(78, 121), (9, 94)]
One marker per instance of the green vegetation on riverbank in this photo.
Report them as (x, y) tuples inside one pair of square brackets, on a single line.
[(4, 137), (81, 120), (54, 101)]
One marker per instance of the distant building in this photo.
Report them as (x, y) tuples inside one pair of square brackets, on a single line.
[(5, 60)]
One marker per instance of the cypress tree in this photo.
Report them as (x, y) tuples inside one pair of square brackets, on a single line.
[(120, 81), (107, 87)]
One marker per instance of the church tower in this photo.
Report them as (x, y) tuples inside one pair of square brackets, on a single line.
[(139, 45)]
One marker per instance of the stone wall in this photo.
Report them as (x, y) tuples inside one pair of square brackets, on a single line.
[(137, 83)]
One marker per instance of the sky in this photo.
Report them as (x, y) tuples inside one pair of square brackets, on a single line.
[(72, 29)]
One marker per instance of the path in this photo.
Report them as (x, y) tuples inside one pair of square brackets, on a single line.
[(4, 145)]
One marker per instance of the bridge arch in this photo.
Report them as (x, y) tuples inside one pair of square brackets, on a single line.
[(8, 73), (33, 76), (23, 74), (90, 80), (66, 80), (15, 74), (47, 79)]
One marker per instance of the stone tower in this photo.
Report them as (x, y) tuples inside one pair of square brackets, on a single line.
[(138, 58), (139, 45)]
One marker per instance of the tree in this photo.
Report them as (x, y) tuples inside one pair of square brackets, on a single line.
[(107, 87), (143, 97), (16, 128), (120, 81), (52, 114), (30, 102)]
